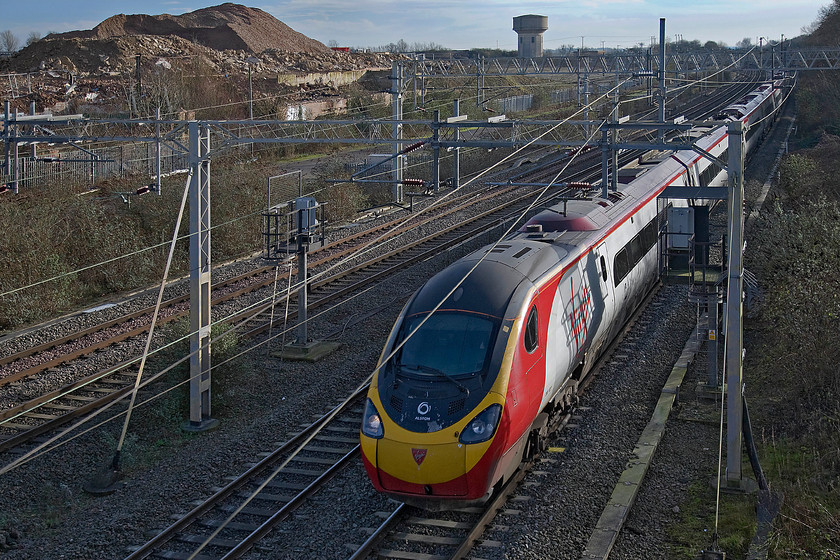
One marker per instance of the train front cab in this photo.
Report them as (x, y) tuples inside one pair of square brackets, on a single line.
[(433, 447)]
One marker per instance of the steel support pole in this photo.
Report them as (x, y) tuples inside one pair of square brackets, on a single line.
[(15, 159), (396, 129), (586, 103), (613, 150), (6, 132), (200, 266), (436, 151), (456, 159), (605, 164), (34, 146), (734, 304), (478, 82), (712, 305), (662, 90), (157, 150), (303, 318)]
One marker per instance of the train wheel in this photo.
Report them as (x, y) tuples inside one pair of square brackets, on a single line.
[(537, 437)]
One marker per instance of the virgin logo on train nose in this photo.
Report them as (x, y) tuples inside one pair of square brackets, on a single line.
[(419, 455)]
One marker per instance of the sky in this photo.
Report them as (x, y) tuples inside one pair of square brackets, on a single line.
[(462, 24)]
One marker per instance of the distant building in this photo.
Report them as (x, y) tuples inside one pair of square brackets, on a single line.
[(530, 29)]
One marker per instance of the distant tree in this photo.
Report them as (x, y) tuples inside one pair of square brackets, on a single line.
[(401, 46), (826, 12), (32, 38), (332, 43), (744, 43), (9, 41), (711, 45)]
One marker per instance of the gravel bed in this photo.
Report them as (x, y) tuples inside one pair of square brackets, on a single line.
[(561, 504)]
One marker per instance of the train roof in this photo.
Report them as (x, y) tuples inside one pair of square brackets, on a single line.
[(489, 288)]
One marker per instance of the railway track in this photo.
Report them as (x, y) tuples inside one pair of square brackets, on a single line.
[(412, 533), (236, 517), (35, 359), (273, 488)]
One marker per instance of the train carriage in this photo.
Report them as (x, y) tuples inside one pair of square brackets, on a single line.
[(491, 348)]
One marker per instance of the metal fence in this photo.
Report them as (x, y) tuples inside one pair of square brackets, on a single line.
[(92, 165), (514, 104)]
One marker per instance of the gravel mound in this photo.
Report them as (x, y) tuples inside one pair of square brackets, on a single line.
[(224, 27)]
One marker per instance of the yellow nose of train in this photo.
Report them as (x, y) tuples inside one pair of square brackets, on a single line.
[(439, 464)]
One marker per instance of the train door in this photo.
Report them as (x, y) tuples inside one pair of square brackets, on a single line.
[(603, 298)]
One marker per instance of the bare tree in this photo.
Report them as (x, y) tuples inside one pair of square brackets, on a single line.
[(8, 41), (33, 37), (744, 43)]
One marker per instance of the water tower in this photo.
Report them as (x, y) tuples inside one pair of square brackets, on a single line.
[(530, 29)]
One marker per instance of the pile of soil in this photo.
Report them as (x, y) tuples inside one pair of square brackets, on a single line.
[(80, 70), (224, 38), (225, 27)]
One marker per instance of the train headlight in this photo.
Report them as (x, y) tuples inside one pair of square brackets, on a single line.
[(372, 422), (483, 426)]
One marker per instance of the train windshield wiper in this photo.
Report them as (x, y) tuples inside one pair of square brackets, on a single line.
[(437, 372)]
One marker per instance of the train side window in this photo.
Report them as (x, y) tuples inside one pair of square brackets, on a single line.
[(620, 266), (649, 236), (634, 250), (603, 268), (532, 334)]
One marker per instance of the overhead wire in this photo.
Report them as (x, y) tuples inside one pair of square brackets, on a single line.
[(368, 247)]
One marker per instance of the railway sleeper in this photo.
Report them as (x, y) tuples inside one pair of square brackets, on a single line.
[(199, 539)]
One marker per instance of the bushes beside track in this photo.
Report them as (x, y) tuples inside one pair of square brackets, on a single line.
[(793, 351)]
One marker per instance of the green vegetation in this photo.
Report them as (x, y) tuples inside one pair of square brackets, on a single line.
[(818, 94), (793, 343), (696, 519), (792, 367)]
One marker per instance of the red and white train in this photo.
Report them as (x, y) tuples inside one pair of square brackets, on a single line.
[(488, 350)]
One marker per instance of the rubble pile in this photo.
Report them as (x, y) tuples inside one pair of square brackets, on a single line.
[(228, 26), (228, 40)]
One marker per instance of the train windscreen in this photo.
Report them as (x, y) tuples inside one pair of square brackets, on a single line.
[(452, 344)]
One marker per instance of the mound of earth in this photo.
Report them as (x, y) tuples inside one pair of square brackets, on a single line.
[(225, 27), (84, 70), (221, 38)]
